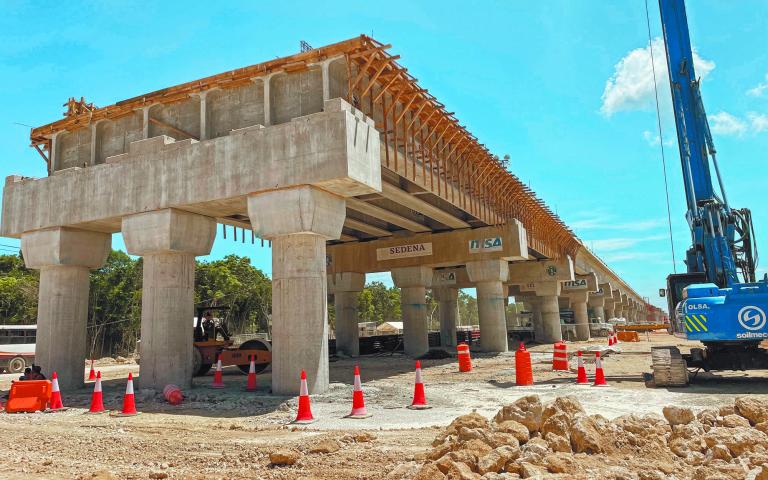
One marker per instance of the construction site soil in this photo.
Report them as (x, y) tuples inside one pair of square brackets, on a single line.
[(552, 429)]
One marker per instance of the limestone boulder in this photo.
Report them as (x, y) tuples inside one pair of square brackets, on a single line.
[(754, 410), (470, 421), (733, 421), (460, 471), (526, 410), (327, 445), (708, 416), (586, 436), (558, 443), (429, 471), (284, 457), (568, 405), (678, 415), (737, 440), (512, 427), (558, 424)]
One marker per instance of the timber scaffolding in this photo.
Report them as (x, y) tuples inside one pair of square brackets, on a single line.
[(414, 126)]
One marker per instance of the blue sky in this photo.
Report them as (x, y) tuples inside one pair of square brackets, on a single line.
[(563, 87)]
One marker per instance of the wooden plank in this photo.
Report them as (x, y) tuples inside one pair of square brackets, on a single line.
[(386, 215), (405, 199), (365, 228)]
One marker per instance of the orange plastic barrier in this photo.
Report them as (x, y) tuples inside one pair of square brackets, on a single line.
[(465, 361), (523, 370), (627, 336), (28, 396), (560, 358)]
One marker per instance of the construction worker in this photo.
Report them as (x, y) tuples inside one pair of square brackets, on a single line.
[(209, 326), (27, 373), (36, 373)]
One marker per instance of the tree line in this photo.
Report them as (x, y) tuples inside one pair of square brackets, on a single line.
[(114, 308)]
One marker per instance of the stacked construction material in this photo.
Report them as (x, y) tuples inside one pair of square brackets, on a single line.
[(669, 368)]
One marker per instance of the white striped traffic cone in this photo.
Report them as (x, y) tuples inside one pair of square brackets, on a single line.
[(358, 403), (97, 399), (218, 379), (55, 403), (129, 400), (304, 415)]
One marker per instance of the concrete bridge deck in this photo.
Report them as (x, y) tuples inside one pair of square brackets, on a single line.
[(338, 157)]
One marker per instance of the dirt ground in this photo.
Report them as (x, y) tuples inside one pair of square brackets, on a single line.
[(231, 433)]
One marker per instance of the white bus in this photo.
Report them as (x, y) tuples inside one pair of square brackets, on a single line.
[(17, 347)]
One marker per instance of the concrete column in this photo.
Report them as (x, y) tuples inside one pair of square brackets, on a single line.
[(145, 121), (204, 114), (64, 257), (345, 288), (298, 221), (581, 319), (413, 282), (533, 304), (267, 101), (326, 80), (599, 312), (489, 277), (550, 319), (449, 311), (168, 240), (609, 311)]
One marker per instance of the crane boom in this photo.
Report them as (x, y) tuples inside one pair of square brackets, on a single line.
[(718, 301)]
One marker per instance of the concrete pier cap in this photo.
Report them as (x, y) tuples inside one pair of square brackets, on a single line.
[(64, 257), (543, 279)]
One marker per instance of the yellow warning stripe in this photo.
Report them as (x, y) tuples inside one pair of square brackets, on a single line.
[(687, 326), (688, 319), (699, 322)]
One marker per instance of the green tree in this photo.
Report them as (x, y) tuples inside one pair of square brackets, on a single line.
[(467, 309), (18, 291)]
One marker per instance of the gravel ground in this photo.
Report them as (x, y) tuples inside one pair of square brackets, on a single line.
[(230, 433)]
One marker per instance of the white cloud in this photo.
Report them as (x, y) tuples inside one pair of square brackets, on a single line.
[(631, 85), (759, 89), (613, 244), (593, 221), (654, 140), (758, 122), (723, 123)]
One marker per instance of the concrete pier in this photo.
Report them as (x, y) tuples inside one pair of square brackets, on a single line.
[(489, 277), (345, 288), (168, 240), (413, 283), (550, 319), (64, 257), (298, 221), (581, 319), (447, 300)]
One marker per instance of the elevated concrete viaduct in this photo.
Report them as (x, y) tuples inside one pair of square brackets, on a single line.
[(339, 158)]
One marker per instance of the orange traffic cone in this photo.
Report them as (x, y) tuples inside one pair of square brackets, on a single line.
[(560, 357), (610, 341), (599, 374), (251, 386), (129, 400), (523, 370), (218, 380), (92, 375), (304, 415), (581, 372), (419, 398), (97, 399), (55, 403), (358, 403), (615, 338)]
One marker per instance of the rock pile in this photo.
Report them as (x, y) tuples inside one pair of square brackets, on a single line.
[(528, 439)]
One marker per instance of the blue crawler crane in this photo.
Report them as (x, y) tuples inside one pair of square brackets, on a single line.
[(718, 301)]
